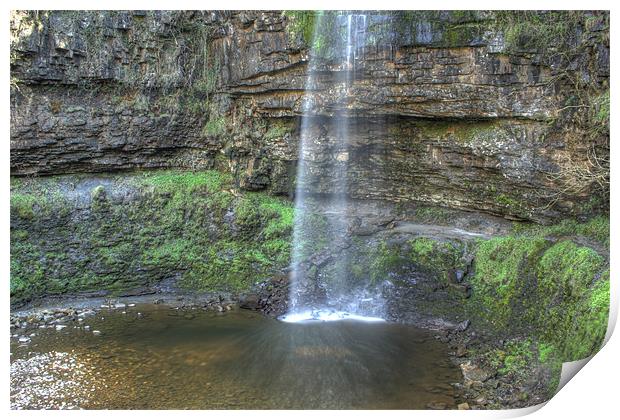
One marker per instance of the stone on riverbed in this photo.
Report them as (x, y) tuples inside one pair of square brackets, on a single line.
[(474, 375)]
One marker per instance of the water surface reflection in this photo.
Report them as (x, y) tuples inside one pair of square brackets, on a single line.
[(158, 358)]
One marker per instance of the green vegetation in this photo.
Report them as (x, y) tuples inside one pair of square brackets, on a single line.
[(576, 295), (30, 203), (545, 351), (539, 31), (214, 127), (187, 224), (540, 282), (433, 215), (513, 358), (601, 110), (301, 24), (506, 201), (502, 270), (22, 205), (185, 182), (517, 357), (383, 260), (596, 229), (556, 292), (436, 257), (278, 130)]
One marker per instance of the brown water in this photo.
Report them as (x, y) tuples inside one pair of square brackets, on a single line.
[(154, 357)]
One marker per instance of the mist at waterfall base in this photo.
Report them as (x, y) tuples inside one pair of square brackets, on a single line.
[(341, 300)]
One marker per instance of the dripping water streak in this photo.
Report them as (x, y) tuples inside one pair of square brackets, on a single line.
[(350, 35)]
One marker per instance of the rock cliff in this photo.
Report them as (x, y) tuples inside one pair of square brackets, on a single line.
[(499, 112)]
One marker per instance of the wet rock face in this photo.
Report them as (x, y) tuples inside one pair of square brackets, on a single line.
[(446, 112), (66, 132), (475, 164)]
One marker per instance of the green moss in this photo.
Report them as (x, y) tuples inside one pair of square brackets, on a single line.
[(215, 127), (601, 108), (597, 229), (557, 293), (538, 31), (466, 133), (575, 299), (27, 270), (170, 253), (182, 182), (462, 34), (19, 234), (114, 254), (383, 260), (301, 24), (432, 214), (566, 270), (278, 130), (545, 351), (513, 358), (506, 201), (188, 225), (31, 203), (23, 205), (436, 257), (503, 268), (98, 193)]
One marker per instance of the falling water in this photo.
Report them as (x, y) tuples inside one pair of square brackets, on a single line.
[(307, 301)]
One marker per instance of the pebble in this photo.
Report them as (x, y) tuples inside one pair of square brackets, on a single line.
[(119, 305), (60, 327), (24, 339), (96, 332), (463, 406)]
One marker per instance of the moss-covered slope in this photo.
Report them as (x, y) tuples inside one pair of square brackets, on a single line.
[(75, 234)]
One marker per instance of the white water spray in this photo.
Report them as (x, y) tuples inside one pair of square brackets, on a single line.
[(348, 41)]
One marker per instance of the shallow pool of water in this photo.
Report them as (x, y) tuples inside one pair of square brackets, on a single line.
[(156, 357)]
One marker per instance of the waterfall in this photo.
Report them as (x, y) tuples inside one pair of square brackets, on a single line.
[(308, 301)]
